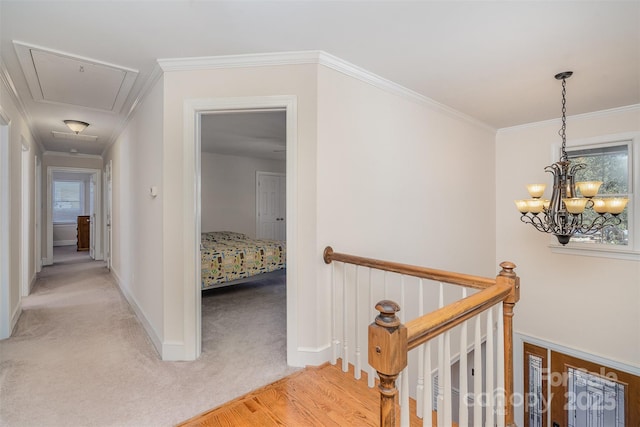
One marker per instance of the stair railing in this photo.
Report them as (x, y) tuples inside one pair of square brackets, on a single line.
[(389, 342)]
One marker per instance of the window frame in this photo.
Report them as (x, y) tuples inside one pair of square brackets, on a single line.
[(53, 201), (631, 251)]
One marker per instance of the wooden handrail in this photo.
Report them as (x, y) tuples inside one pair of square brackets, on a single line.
[(460, 279), (422, 329), (390, 340)]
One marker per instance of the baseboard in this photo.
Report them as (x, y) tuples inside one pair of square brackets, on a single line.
[(47, 261), (15, 316), (155, 339), (32, 282), (310, 356), (173, 351), (65, 242)]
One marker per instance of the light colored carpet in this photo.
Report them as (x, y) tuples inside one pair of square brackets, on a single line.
[(67, 254), (79, 357)]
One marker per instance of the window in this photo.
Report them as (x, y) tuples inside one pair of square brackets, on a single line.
[(610, 165), (614, 160), (68, 201)]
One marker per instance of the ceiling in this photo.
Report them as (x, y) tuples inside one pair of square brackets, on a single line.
[(493, 61), (261, 134)]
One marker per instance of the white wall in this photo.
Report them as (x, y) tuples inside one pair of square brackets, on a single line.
[(64, 234), (137, 220), (178, 260), (378, 174), (588, 304), (11, 257), (400, 180), (229, 191)]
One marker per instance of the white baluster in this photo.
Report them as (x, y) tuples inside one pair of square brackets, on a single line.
[(500, 395), (447, 379), (404, 378), (427, 400), (334, 314), (463, 408), (489, 368), (420, 384), (440, 398), (358, 368), (477, 375), (345, 322)]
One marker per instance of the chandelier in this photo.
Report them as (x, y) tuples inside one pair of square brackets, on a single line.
[(562, 215)]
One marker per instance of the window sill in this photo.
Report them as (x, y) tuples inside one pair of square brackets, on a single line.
[(599, 252)]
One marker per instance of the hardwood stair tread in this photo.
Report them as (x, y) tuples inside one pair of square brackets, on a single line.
[(322, 395)]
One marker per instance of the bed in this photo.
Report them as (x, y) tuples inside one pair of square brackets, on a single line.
[(228, 258)]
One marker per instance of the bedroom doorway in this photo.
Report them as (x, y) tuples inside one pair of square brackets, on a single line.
[(197, 115), (79, 195)]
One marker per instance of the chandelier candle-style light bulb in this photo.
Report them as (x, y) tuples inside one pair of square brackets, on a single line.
[(589, 188), (536, 190), (562, 215)]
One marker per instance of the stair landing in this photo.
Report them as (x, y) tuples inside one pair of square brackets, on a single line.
[(315, 396)]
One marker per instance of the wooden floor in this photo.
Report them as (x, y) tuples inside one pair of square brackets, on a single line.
[(315, 396)]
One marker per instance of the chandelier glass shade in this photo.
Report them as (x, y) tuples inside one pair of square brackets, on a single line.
[(562, 214)]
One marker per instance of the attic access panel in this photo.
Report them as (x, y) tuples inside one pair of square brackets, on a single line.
[(63, 78)]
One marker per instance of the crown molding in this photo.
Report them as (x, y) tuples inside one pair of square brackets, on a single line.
[(65, 154), (237, 61), (319, 58), (7, 81), (389, 86), (583, 116)]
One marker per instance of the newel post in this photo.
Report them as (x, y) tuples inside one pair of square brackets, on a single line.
[(507, 275), (388, 356)]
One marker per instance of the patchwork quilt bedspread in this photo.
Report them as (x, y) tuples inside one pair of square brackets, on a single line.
[(227, 256)]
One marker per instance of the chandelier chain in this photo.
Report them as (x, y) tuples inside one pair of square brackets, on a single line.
[(563, 129)]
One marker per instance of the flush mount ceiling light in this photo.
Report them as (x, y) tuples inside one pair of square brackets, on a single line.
[(562, 215), (76, 125)]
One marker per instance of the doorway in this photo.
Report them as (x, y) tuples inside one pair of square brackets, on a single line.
[(5, 294), (194, 112), (87, 184), (25, 220), (108, 236), (566, 391)]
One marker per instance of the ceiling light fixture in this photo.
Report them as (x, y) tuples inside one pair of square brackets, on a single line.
[(562, 216), (76, 125)]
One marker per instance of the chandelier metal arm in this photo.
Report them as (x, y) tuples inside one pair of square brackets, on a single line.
[(566, 224)]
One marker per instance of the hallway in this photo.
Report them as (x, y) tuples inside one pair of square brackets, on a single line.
[(79, 356)]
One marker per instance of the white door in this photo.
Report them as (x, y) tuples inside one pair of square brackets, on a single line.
[(25, 216), (108, 180), (5, 291), (281, 225), (270, 206), (38, 215), (92, 216)]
